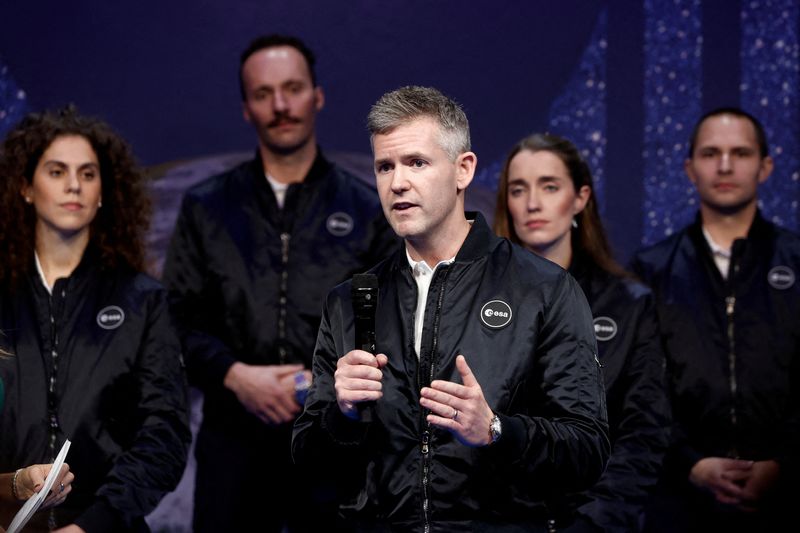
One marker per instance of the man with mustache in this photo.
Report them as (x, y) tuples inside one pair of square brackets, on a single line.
[(729, 309), (254, 253)]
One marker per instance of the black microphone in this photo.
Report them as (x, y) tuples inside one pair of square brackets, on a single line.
[(364, 293)]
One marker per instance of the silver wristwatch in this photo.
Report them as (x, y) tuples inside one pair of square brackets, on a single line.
[(495, 429)]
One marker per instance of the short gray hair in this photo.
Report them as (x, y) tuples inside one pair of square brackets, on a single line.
[(409, 103)]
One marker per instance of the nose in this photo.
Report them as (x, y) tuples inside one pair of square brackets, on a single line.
[(279, 102), (725, 165), (72, 183), (400, 181), (533, 201)]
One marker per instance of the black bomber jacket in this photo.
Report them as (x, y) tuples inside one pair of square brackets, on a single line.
[(247, 280), (526, 331), (106, 340), (732, 346), (630, 352)]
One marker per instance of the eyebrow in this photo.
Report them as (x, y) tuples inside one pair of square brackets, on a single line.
[(734, 147), (414, 155), (285, 83), (548, 178), (82, 166), (93, 166), (539, 179), (403, 157)]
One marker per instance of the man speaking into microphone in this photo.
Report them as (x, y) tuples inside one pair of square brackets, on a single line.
[(484, 393)]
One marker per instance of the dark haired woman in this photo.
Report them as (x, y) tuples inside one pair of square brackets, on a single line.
[(545, 203), (94, 357)]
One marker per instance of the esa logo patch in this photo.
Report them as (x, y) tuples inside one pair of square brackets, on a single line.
[(496, 314), (605, 328), (339, 224), (781, 277), (110, 317)]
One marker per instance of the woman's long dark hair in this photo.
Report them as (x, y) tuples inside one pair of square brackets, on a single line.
[(117, 230), (589, 239)]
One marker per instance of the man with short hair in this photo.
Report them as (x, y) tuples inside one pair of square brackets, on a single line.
[(729, 310), (484, 398), (254, 253)]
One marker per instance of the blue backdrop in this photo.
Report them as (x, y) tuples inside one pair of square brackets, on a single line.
[(624, 79)]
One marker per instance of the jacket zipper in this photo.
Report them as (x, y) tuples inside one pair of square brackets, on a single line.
[(282, 297), (730, 309), (52, 406), (730, 306), (426, 433)]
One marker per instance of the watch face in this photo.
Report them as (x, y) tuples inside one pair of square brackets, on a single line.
[(496, 428)]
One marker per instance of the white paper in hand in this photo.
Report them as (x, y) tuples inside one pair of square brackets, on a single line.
[(35, 501)]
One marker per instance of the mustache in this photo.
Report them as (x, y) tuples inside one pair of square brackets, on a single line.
[(283, 119)]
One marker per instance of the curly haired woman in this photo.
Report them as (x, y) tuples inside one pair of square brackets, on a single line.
[(94, 356)]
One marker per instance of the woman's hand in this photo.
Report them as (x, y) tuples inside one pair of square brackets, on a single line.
[(31, 480)]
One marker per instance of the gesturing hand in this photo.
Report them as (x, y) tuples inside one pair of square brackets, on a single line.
[(460, 409), (358, 379), (263, 390)]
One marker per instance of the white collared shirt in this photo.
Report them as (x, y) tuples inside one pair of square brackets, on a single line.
[(423, 274), (722, 256)]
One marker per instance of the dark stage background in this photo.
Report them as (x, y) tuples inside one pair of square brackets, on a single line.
[(625, 79)]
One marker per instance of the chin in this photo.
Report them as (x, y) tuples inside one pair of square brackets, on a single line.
[(286, 146), (539, 247), (405, 232)]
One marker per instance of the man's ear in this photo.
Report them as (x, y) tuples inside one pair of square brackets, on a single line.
[(465, 169), (767, 166), (319, 98), (246, 113), (687, 167)]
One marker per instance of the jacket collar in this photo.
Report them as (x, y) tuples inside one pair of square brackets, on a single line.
[(85, 273), (476, 245), (582, 268), (319, 169), (759, 236), (298, 195), (478, 239), (746, 253)]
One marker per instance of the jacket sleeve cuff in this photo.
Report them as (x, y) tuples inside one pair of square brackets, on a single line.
[(790, 470), (511, 443), (100, 517), (342, 429), (218, 367), (686, 459)]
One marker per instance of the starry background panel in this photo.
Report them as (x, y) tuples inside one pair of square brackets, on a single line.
[(769, 90)]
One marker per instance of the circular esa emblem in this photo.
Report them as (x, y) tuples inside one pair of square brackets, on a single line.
[(605, 328), (110, 317), (781, 277), (496, 314), (340, 224)]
